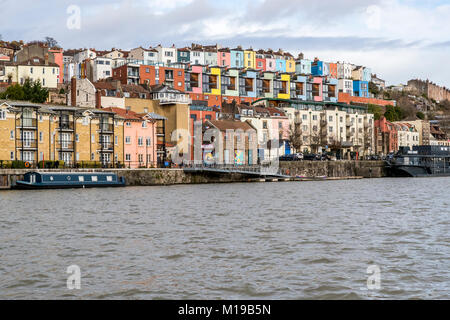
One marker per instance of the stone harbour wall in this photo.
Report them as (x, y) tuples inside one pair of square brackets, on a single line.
[(366, 169), (156, 177)]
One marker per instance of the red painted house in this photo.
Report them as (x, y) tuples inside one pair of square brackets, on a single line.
[(386, 137)]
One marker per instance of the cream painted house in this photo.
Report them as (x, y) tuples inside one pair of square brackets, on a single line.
[(35, 69), (407, 135), (335, 127)]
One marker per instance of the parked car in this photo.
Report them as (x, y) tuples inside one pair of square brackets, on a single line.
[(311, 157), (291, 157)]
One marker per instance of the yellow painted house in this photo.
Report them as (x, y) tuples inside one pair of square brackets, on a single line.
[(290, 63), (215, 81), (285, 92), (36, 132), (249, 59)]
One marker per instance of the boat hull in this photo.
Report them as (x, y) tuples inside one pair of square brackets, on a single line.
[(414, 171), (36, 186)]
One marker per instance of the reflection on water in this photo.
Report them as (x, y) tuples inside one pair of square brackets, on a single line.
[(293, 240)]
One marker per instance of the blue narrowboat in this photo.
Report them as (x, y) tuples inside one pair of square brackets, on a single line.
[(59, 180)]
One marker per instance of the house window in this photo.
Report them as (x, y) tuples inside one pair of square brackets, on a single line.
[(127, 140), (148, 142), (305, 117), (116, 140), (43, 82), (92, 159), (128, 124), (12, 155), (2, 114), (144, 124), (314, 117), (93, 138), (11, 135), (330, 129), (128, 157), (264, 124), (77, 137), (140, 141), (41, 136), (330, 118)]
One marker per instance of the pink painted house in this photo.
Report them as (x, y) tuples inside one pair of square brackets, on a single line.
[(196, 76), (140, 139), (317, 90), (224, 57)]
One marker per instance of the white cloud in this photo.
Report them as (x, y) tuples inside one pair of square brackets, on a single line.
[(397, 38)]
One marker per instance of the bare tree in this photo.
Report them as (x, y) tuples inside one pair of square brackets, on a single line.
[(51, 42), (296, 134)]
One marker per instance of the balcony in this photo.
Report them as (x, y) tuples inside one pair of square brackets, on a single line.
[(27, 144), (65, 146), (65, 126), (106, 147), (160, 131), (170, 98), (26, 123), (106, 128)]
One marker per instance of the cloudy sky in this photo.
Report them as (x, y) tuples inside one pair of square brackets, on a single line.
[(398, 39)]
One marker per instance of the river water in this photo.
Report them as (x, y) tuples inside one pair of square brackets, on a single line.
[(290, 240)]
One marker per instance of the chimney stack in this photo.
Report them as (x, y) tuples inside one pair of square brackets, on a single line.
[(46, 59), (98, 99), (73, 92)]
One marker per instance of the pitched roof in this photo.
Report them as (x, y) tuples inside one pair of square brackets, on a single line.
[(104, 85), (133, 88), (36, 61), (223, 125), (126, 114), (163, 88)]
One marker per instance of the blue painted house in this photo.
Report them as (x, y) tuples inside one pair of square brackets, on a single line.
[(361, 89), (237, 58), (367, 74), (280, 65), (303, 66), (298, 87), (247, 83), (320, 68), (184, 55)]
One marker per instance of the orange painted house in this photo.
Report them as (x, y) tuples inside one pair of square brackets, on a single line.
[(333, 70)]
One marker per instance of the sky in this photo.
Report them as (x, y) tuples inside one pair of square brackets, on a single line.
[(398, 39)]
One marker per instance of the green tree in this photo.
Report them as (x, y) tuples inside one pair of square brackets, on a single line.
[(29, 91), (393, 113), (376, 110), (14, 92), (420, 115), (373, 88)]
